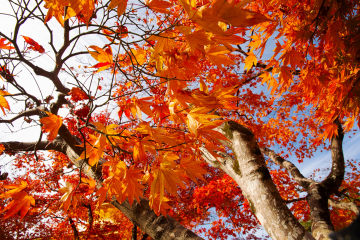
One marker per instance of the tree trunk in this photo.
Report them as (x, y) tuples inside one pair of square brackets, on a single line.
[(248, 169), (317, 199)]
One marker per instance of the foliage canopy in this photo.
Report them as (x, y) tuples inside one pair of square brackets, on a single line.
[(157, 98)]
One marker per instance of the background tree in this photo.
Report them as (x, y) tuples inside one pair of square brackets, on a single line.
[(154, 108)]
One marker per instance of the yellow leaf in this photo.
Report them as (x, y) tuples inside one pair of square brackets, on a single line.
[(67, 198), (250, 61), (51, 125), (3, 102), (107, 212), (203, 87), (140, 56), (104, 57)]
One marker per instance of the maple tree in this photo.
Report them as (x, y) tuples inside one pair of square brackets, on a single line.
[(163, 115)]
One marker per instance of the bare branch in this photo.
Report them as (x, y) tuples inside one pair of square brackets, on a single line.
[(57, 145), (72, 224), (59, 102), (28, 113), (292, 169)]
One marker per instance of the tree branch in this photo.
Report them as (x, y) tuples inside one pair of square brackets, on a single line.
[(158, 227), (91, 219), (345, 205), (28, 113), (57, 145), (290, 167), (72, 224), (333, 181), (295, 200), (134, 232), (144, 236)]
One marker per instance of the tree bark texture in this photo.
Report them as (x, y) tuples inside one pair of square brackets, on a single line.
[(317, 199), (249, 170)]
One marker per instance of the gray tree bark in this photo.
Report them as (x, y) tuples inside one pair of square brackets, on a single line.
[(249, 170)]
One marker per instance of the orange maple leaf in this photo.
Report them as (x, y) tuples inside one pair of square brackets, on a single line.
[(2, 148), (51, 124), (141, 146), (166, 177), (4, 45), (157, 206), (192, 168), (15, 188), (34, 45), (197, 40), (159, 5), (85, 7), (138, 56), (120, 4), (95, 150), (102, 193), (132, 186), (77, 95), (21, 202), (69, 196), (104, 57), (217, 56)]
